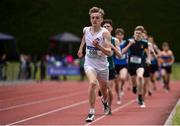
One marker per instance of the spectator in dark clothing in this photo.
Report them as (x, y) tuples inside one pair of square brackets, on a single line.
[(23, 70), (28, 67), (42, 69), (3, 67), (35, 64)]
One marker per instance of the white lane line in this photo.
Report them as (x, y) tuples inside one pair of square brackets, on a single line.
[(117, 109), (40, 101), (50, 112), (29, 95)]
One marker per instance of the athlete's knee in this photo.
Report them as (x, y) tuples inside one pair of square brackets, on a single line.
[(123, 74), (163, 72), (92, 87), (140, 77), (140, 73), (93, 82)]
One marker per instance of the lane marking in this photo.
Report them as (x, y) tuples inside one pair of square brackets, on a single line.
[(115, 110), (39, 101), (49, 112), (67, 107), (29, 95)]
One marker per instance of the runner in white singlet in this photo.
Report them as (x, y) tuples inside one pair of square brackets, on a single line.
[(97, 40)]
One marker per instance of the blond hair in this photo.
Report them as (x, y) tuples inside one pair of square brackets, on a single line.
[(119, 30), (139, 28), (96, 10)]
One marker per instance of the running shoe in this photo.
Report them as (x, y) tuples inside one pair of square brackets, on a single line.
[(141, 102), (90, 117), (142, 105), (107, 109)]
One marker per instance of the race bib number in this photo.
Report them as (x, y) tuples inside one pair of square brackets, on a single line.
[(92, 53), (135, 59), (166, 64)]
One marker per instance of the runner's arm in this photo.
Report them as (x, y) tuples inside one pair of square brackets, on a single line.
[(125, 49), (80, 51), (116, 48), (172, 57), (148, 60), (106, 48)]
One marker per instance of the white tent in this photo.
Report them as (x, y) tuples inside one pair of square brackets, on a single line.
[(65, 37), (67, 41), (5, 37)]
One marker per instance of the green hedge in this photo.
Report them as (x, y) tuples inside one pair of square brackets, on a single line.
[(13, 69)]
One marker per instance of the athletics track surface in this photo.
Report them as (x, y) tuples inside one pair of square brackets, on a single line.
[(66, 103)]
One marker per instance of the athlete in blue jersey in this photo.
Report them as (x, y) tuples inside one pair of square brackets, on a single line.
[(166, 61), (121, 65)]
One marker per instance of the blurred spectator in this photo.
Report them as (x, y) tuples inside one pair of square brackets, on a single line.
[(28, 67), (23, 73), (69, 59), (42, 68), (22, 67), (51, 59), (35, 64), (3, 67)]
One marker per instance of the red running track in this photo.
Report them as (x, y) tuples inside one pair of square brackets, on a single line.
[(66, 103)]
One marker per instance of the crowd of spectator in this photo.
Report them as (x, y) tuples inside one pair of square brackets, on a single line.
[(35, 67)]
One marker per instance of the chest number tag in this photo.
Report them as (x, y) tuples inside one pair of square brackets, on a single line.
[(92, 53), (135, 59)]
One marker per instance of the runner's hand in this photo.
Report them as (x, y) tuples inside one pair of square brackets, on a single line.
[(95, 43), (80, 54), (131, 41)]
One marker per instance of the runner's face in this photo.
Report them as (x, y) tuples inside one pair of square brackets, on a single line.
[(150, 39), (96, 19), (165, 48), (108, 27), (144, 36), (120, 36), (138, 35)]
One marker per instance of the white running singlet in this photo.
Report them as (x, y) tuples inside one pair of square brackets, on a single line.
[(95, 57)]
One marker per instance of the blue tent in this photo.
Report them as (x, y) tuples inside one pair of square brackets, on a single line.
[(8, 45)]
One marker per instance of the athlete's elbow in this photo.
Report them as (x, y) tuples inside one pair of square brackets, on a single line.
[(119, 56), (109, 53)]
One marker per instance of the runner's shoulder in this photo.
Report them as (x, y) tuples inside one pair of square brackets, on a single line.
[(85, 29), (170, 52)]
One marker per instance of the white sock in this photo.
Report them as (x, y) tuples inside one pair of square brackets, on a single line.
[(104, 100), (92, 110)]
